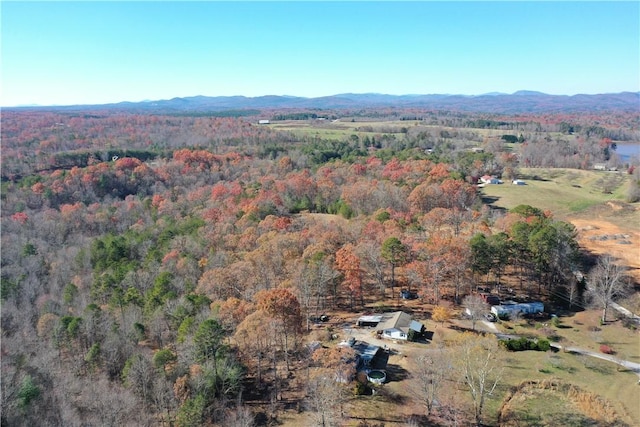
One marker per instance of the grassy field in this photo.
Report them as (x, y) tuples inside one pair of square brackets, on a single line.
[(338, 131), (616, 385), (582, 330), (344, 128), (562, 191)]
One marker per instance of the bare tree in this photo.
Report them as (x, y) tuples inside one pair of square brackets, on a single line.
[(475, 308), (477, 361), (607, 281), (324, 398), (239, 417), (430, 373), (374, 264)]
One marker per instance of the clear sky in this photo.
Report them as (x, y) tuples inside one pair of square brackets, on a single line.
[(61, 53)]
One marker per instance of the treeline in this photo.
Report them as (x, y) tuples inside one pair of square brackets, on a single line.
[(39, 140)]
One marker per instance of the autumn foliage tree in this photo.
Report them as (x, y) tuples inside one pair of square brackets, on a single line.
[(348, 263), (282, 306)]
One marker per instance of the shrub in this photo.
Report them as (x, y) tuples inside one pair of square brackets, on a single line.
[(629, 323), (606, 349), (27, 392), (359, 388), (543, 345), (524, 343)]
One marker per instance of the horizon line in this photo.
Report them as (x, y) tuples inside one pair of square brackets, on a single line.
[(492, 93)]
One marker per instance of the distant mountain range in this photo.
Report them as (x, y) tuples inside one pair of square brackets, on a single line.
[(495, 102)]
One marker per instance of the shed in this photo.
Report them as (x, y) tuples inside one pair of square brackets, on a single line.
[(263, 122), (370, 321), (518, 182)]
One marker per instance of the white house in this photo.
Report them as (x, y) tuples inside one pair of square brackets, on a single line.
[(486, 179), (395, 325), (398, 325), (263, 122)]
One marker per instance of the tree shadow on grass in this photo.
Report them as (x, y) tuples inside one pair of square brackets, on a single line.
[(396, 373)]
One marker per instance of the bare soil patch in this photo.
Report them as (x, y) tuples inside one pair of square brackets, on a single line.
[(601, 237)]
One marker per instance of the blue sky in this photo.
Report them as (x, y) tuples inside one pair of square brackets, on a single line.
[(61, 53)]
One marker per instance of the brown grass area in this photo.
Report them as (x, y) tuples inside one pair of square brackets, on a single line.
[(603, 237), (570, 403)]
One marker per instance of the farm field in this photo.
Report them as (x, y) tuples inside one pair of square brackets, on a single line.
[(605, 223), (565, 192)]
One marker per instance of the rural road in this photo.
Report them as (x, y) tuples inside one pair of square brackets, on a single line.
[(632, 366)]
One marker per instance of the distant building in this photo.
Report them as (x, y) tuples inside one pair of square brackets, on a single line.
[(487, 179), (518, 182), (507, 308), (263, 122), (600, 167)]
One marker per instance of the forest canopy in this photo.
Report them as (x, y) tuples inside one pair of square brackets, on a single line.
[(159, 266)]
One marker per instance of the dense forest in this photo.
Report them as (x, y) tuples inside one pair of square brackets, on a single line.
[(164, 269)]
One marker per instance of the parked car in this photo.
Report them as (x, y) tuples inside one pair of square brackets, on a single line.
[(491, 317), (407, 294), (318, 319)]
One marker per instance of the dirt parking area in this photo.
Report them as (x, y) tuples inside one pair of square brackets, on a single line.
[(602, 237)]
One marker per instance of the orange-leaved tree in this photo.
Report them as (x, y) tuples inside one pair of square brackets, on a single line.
[(348, 263), (284, 309)]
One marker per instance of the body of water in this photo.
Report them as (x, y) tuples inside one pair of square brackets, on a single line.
[(628, 151)]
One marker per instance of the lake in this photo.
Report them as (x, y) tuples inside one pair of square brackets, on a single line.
[(628, 151)]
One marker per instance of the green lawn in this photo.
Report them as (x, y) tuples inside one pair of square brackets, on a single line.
[(606, 379), (336, 132), (562, 191)]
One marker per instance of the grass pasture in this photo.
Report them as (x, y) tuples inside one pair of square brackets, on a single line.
[(304, 130), (339, 131), (601, 378), (617, 385), (563, 191)]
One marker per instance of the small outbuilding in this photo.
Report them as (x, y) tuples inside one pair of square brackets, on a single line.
[(518, 182), (369, 320), (487, 179)]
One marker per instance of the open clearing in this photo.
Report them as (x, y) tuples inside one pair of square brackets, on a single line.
[(613, 386), (605, 223), (563, 191)]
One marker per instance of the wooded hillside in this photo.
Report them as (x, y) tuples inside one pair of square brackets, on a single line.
[(163, 270)]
